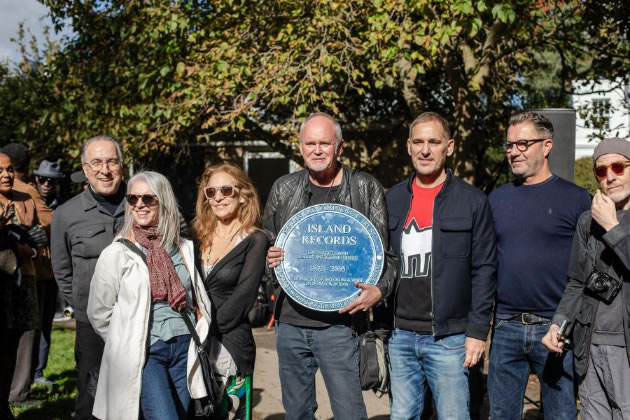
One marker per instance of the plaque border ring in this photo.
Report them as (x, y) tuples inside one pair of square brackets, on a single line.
[(376, 246)]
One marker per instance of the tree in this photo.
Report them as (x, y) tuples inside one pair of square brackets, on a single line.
[(162, 74)]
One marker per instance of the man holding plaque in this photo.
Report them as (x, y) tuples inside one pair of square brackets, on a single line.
[(441, 228), (308, 339)]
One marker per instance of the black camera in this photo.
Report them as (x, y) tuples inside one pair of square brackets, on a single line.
[(602, 285)]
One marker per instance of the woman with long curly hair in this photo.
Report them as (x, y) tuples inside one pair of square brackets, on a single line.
[(231, 257)]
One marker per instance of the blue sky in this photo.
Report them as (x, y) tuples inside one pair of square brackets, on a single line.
[(12, 12)]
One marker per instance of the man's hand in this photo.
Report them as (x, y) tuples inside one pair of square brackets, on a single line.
[(604, 211), (474, 350), (550, 340), (275, 256), (370, 295)]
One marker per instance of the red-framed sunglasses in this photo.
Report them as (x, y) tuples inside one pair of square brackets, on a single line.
[(618, 168)]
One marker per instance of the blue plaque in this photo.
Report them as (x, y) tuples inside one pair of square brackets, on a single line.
[(327, 247)]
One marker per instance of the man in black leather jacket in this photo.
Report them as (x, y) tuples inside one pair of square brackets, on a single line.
[(306, 339), (597, 297)]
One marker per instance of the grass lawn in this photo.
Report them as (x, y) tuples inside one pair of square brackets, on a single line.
[(57, 403)]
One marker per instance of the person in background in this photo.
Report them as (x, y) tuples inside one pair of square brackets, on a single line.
[(232, 261), (18, 294), (139, 294), (47, 177), (28, 352), (82, 227)]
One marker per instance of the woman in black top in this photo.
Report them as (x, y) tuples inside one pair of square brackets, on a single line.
[(231, 259)]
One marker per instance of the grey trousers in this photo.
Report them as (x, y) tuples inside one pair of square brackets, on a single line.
[(605, 390)]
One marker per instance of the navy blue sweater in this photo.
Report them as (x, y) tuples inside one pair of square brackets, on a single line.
[(535, 225)]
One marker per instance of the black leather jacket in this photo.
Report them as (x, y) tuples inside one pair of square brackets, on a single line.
[(291, 193), (580, 308)]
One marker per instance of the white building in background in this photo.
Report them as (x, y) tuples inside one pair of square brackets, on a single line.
[(603, 110)]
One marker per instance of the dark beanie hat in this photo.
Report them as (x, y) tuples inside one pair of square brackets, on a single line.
[(612, 145)]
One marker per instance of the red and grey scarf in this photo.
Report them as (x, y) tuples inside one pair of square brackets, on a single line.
[(165, 283)]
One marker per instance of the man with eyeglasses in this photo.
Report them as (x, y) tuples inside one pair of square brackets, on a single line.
[(308, 340), (595, 301), (534, 218), (82, 227)]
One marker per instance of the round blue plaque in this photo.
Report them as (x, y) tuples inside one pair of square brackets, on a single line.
[(327, 247)]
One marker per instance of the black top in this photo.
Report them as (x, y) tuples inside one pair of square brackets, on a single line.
[(110, 202), (232, 286)]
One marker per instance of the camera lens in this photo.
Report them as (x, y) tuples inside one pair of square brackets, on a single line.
[(600, 285)]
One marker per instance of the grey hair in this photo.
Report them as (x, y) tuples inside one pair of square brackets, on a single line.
[(101, 137), (426, 117), (543, 126), (169, 218), (338, 134)]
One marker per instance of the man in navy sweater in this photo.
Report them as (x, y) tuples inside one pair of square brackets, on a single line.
[(441, 228), (535, 219)]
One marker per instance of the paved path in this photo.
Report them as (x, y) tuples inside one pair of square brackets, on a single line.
[(267, 399)]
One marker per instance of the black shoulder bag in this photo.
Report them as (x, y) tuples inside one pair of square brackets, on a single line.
[(203, 407)]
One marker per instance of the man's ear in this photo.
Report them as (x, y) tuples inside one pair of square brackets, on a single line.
[(547, 146)]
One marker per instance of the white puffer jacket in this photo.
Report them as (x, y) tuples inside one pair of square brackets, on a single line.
[(119, 306)]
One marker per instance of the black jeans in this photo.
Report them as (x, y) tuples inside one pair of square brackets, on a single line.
[(88, 351), (8, 355), (47, 290)]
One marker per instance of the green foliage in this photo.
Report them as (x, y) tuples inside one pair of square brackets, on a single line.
[(166, 73), (583, 173)]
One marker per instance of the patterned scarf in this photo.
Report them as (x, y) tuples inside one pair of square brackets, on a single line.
[(165, 283)]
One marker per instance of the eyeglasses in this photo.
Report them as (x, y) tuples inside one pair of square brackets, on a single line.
[(147, 199), (45, 179), (521, 145), (226, 191), (618, 168), (96, 165)]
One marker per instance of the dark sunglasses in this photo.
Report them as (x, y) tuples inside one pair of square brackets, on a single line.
[(147, 199), (618, 168), (45, 179), (226, 191)]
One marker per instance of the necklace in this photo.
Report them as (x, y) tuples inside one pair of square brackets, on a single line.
[(224, 250)]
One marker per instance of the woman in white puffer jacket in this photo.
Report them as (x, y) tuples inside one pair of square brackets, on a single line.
[(149, 363)]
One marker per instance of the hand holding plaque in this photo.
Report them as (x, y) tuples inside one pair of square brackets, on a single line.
[(328, 248)]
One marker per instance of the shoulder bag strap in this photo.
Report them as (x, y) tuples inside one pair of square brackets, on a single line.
[(185, 317)]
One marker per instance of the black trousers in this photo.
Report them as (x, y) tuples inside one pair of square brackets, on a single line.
[(8, 357), (47, 290), (88, 351)]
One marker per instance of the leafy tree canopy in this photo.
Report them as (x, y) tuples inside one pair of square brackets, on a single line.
[(159, 74)]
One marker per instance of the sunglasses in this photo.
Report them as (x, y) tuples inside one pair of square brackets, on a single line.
[(226, 191), (618, 168), (45, 179), (147, 199)]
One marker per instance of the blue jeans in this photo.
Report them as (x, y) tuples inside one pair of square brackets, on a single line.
[(335, 350), (418, 359), (164, 390), (515, 349)]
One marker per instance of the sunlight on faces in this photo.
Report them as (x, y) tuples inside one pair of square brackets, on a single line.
[(318, 145), (530, 163), (144, 215), (617, 187), (428, 148), (7, 175), (105, 181), (224, 208)]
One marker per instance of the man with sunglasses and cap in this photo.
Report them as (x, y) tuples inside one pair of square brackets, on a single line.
[(47, 177), (596, 301), (82, 227), (535, 218)]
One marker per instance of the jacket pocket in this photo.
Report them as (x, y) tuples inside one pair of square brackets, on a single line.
[(392, 223), (455, 236), (581, 329), (89, 241)]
